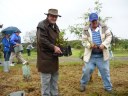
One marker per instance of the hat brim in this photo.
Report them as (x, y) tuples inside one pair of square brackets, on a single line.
[(52, 14), (93, 19)]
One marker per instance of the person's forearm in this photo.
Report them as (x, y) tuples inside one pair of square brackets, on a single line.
[(12, 42)]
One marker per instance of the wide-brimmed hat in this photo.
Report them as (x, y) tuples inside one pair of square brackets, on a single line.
[(53, 12)]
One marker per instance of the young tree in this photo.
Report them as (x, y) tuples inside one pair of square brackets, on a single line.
[(30, 37), (77, 29), (61, 41)]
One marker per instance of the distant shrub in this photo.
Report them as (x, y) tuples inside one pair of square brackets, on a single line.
[(75, 44)]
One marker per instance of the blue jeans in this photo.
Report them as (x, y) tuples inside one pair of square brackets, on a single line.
[(103, 67), (7, 55)]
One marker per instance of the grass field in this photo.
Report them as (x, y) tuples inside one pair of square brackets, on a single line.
[(70, 74), (119, 53)]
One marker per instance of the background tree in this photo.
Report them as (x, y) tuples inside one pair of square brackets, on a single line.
[(30, 36), (77, 29)]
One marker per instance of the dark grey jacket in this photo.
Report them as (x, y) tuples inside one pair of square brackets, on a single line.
[(46, 39)]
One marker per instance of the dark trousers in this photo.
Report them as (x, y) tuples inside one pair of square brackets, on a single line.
[(28, 52), (7, 55)]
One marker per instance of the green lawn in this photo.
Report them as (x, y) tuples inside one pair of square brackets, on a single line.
[(120, 53), (76, 53)]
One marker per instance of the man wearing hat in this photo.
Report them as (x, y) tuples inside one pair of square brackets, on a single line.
[(97, 39), (47, 62)]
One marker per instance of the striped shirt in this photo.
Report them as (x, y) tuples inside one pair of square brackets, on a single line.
[(96, 37), (97, 41)]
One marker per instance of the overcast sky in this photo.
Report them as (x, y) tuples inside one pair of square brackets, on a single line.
[(25, 14)]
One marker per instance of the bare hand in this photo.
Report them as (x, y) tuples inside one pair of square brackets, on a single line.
[(57, 50), (93, 46), (101, 46), (17, 44)]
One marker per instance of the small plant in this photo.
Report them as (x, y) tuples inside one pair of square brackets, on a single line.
[(63, 44), (61, 41)]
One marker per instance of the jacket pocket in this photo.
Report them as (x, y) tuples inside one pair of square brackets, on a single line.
[(87, 51), (47, 55)]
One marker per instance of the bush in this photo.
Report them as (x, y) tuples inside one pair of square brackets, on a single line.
[(77, 46)]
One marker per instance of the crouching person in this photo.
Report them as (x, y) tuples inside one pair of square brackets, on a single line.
[(7, 52), (47, 62), (97, 39)]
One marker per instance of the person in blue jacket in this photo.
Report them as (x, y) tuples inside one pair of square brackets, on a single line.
[(15, 40), (7, 52)]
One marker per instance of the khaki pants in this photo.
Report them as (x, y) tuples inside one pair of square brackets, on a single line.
[(49, 84), (18, 56)]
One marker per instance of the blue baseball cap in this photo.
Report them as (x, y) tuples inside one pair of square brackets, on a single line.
[(93, 16)]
